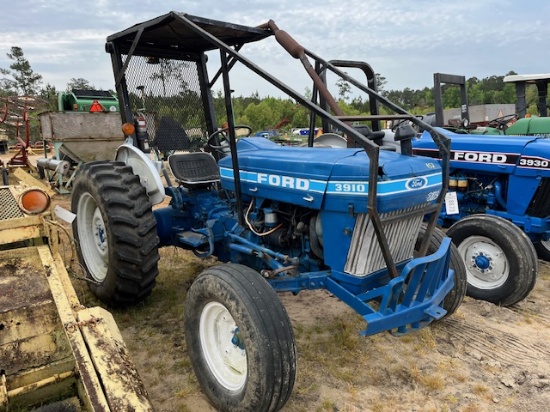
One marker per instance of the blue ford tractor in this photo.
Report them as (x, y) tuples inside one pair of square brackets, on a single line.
[(278, 218), (499, 178), (497, 204)]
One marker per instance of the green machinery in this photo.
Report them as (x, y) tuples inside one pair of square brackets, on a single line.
[(84, 100)]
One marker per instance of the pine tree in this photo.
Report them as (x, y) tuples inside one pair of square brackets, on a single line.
[(24, 80)]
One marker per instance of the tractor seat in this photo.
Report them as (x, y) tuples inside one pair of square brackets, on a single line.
[(194, 169), (170, 136)]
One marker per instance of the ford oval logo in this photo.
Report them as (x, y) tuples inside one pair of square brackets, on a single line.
[(417, 182)]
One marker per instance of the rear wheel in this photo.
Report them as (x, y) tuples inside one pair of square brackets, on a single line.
[(501, 262), (115, 232), (453, 300), (240, 340)]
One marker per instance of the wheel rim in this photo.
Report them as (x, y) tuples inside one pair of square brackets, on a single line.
[(92, 237), (222, 347), (486, 264)]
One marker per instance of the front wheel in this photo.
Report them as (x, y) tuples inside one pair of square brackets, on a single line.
[(240, 340), (501, 262), (543, 249), (455, 297), (115, 232)]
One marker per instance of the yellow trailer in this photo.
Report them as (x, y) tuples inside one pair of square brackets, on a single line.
[(52, 348)]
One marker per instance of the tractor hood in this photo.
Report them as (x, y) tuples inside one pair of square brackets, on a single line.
[(521, 155), (532, 126), (330, 178)]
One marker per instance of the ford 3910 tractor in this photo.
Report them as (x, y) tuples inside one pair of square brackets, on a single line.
[(278, 218)]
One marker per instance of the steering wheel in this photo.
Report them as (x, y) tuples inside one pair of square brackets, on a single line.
[(220, 136), (396, 125), (501, 123)]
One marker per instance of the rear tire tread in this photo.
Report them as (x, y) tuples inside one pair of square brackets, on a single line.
[(132, 237)]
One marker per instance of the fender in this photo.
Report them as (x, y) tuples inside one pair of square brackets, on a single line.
[(143, 167)]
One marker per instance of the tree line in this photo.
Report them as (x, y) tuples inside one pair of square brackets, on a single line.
[(266, 113), (261, 113)]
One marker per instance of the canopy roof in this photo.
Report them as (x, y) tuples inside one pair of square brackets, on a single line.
[(528, 78), (177, 33)]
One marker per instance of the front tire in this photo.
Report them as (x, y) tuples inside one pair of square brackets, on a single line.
[(455, 297), (115, 232), (501, 262), (240, 340), (543, 249)]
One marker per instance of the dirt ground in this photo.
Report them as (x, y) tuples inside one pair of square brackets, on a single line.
[(483, 358)]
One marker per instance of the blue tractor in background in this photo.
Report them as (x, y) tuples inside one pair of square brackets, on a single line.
[(278, 218), (497, 205), (499, 174)]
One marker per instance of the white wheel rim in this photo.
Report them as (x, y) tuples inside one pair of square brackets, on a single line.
[(92, 237), (487, 266), (226, 361)]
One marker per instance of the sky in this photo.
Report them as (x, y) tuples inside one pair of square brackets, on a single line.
[(405, 41)]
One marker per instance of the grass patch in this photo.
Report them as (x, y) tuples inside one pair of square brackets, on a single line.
[(326, 405)]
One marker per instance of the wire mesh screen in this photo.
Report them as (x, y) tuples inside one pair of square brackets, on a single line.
[(167, 92), (8, 205)]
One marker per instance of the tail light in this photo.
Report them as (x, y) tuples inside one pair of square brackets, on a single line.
[(33, 201)]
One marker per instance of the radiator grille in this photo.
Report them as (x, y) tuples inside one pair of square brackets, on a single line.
[(540, 205), (8, 205), (365, 254)]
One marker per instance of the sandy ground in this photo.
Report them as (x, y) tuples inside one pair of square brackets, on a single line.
[(483, 358)]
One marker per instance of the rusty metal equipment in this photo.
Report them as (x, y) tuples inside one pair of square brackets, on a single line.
[(53, 349), (14, 112), (78, 137)]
